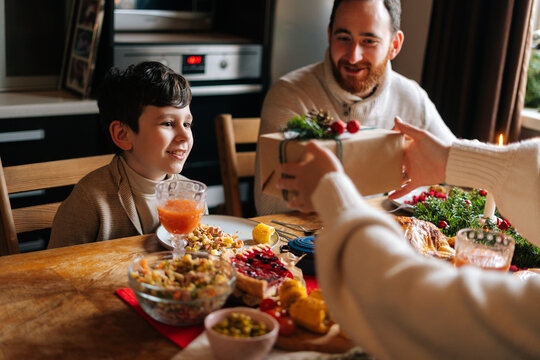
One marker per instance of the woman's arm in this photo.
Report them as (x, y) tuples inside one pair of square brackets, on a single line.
[(398, 304)]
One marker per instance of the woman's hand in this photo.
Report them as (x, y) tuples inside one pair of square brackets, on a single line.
[(305, 175), (424, 158)]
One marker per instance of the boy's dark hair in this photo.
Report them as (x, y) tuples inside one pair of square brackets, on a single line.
[(124, 94), (393, 7)]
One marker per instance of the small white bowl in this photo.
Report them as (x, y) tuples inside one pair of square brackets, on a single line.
[(251, 348)]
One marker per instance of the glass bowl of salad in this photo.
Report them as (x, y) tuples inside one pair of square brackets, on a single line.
[(181, 289)]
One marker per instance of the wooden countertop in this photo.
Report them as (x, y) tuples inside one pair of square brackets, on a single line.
[(60, 303)]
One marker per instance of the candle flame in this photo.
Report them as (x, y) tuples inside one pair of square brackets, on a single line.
[(501, 140)]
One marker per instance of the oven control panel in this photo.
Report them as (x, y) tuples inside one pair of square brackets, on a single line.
[(202, 62)]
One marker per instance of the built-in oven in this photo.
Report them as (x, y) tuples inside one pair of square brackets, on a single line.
[(225, 74)]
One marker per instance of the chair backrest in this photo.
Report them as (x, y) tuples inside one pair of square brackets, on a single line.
[(37, 176), (235, 164)]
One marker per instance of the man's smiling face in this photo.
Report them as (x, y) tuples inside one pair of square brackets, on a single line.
[(361, 43)]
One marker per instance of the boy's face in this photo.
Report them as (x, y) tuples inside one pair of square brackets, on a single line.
[(163, 142)]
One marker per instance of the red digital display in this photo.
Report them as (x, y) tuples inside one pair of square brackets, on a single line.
[(194, 59), (192, 64)]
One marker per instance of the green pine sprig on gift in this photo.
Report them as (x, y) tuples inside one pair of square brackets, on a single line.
[(307, 128), (319, 124), (464, 209)]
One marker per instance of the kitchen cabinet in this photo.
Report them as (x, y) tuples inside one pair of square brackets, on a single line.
[(51, 125), (45, 126)]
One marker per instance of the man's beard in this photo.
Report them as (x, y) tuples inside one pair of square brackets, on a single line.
[(360, 86)]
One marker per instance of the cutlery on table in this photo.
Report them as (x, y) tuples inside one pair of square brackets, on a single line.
[(400, 207), (307, 232), (284, 234)]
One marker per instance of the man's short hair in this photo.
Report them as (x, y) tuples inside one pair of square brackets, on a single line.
[(393, 7), (124, 94)]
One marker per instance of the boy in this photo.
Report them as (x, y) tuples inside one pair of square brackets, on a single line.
[(145, 110)]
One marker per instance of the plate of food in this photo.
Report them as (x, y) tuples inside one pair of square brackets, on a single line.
[(419, 194), (216, 233)]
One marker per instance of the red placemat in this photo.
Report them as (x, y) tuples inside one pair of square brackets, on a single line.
[(181, 336), (311, 283)]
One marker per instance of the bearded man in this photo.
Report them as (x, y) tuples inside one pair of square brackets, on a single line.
[(355, 81)]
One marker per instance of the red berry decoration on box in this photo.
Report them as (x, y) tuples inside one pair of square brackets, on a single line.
[(338, 127), (318, 124), (353, 126)]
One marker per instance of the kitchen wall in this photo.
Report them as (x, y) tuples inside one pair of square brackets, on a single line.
[(300, 36), (415, 20)]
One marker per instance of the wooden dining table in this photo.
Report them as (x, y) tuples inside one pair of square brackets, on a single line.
[(61, 303)]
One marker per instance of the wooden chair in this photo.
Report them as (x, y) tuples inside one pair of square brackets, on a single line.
[(37, 176), (235, 164)]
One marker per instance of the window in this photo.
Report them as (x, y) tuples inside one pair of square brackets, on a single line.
[(531, 114)]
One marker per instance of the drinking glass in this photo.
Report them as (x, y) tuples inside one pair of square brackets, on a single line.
[(180, 205), (485, 249)]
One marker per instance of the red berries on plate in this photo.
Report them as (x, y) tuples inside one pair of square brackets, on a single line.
[(503, 224), (277, 312), (268, 304), (286, 326)]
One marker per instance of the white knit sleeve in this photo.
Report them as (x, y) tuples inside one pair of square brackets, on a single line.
[(511, 173), (397, 304)]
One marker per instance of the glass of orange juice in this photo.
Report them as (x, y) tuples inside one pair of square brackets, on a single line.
[(485, 249), (180, 205)]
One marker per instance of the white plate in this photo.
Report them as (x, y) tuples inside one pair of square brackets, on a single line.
[(229, 224), (401, 201)]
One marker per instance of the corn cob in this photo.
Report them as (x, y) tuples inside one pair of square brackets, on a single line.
[(262, 233), (310, 313), (290, 291)]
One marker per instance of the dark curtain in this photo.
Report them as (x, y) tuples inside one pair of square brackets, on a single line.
[(475, 65)]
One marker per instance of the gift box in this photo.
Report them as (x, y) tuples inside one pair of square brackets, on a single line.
[(372, 159)]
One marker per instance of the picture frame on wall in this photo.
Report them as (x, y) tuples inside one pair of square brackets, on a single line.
[(83, 43)]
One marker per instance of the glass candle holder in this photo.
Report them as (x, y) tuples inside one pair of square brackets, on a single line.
[(485, 249)]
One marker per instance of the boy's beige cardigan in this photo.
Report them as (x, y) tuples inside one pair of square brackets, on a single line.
[(100, 207)]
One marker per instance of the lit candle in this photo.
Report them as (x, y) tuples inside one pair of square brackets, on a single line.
[(489, 209)]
